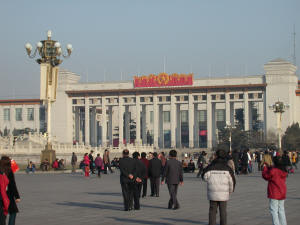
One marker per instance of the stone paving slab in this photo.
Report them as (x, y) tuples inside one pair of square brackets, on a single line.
[(65, 199)]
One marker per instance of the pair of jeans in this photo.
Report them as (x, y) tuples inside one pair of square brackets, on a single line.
[(12, 219), (277, 212), (213, 212)]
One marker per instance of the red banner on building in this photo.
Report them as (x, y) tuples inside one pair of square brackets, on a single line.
[(163, 79)]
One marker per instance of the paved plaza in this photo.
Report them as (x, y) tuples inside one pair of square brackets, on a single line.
[(64, 199)]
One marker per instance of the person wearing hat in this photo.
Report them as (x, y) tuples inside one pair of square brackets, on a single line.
[(220, 184)]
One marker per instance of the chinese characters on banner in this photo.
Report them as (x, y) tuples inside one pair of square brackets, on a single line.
[(163, 79)]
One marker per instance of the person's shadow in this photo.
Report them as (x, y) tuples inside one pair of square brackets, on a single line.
[(90, 205)]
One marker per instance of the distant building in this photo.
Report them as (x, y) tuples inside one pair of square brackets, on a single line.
[(168, 112)]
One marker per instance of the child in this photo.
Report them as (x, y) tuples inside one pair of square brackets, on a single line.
[(276, 177)]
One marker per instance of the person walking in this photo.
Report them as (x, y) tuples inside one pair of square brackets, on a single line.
[(91, 158), (86, 161), (74, 162), (140, 176), (145, 180), (201, 163), (4, 181), (106, 161), (12, 192), (173, 176), (127, 178), (155, 168), (220, 184), (276, 177), (99, 164), (236, 160)]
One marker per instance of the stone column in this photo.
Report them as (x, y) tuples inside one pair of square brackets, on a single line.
[(144, 127), (173, 121), (191, 120), (155, 121), (121, 111), (110, 125), (77, 123), (103, 123), (232, 113), (246, 111), (138, 121), (127, 125), (87, 121), (227, 108), (209, 121), (160, 127)]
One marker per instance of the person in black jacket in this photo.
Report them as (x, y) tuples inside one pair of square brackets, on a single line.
[(12, 193), (155, 168), (174, 175), (140, 176), (92, 168), (127, 178)]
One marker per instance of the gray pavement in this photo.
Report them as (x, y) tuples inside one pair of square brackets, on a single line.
[(65, 199)]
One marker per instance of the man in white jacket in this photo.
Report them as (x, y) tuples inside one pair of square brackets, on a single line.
[(220, 183)]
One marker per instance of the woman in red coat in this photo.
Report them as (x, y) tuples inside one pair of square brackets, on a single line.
[(86, 161), (276, 177)]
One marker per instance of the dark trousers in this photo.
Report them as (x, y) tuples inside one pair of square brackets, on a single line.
[(2, 216), (12, 219), (173, 195), (99, 171), (136, 195), (145, 181), (107, 165), (213, 212), (127, 191), (154, 185), (92, 168)]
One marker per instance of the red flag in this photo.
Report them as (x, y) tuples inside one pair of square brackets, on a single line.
[(14, 166)]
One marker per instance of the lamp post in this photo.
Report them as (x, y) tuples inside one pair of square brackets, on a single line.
[(230, 128), (50, 53), (279, 108)]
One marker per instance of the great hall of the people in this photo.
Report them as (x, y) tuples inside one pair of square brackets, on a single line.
[(166, 111)]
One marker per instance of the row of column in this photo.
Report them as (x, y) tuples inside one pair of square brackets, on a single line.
[(157, 120)]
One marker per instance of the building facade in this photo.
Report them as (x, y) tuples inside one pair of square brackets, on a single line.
[(189, 115)]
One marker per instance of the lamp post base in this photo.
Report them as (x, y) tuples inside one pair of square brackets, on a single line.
[(49, 154)]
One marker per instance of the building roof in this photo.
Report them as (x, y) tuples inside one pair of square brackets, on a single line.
[(20, 102)]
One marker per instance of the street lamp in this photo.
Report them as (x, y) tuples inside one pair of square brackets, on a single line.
[(279, 108), (230, 128), (50, 53)]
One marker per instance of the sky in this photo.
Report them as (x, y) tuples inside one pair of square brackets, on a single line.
[(114, 40)]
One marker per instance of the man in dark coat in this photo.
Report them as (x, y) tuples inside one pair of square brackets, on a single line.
[(155, 168), (91, 158), (127, 177), (145, 180), (236, 160), (173, 175), (140, 176)]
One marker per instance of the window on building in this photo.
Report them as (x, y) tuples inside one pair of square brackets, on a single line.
[(250, 95), (177, 98), (184, 116), (19, 114), (168, 98), (125, 100), (202, 116), (42, 114), (151, 99), (222, 97), (186, 98), (142, 99), (241, 96), (160, 98), (151, 116), (30, 114), (195, 98), (166, 116), (259, 95), (213, 97), (74, 101), (220, 115), (204, 97), (6, 113), (231, 96)]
